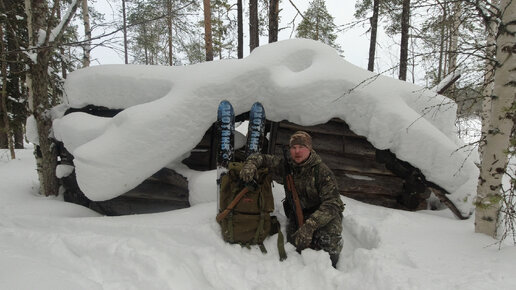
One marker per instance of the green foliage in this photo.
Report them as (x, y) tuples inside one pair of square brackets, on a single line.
[(390, 10), (223, 25), (148, 30), (318, 24)]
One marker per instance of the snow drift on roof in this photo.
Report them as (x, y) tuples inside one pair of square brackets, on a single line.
[(167, 110)]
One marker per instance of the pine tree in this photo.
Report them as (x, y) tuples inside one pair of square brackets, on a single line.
[(254, 25), (361, 9), (208, 39), (318, 24), (159, 27), (223, 27)]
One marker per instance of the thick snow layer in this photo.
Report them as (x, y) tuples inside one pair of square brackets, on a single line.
[(168, 109), (50, 244)]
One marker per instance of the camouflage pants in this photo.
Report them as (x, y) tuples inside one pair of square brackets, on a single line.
[(327, 238)]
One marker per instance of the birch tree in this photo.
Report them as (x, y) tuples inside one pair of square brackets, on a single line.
[(490, 52), (87, 34), (494, 162)]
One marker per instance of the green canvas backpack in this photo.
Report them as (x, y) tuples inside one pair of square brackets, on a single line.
[(246, 219)]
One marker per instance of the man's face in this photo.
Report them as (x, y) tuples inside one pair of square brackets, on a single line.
[(299, 153)]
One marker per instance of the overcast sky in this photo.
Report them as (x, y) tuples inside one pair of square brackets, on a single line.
[(355, 42)]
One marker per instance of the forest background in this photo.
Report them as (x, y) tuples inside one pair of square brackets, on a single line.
[(462, 49)]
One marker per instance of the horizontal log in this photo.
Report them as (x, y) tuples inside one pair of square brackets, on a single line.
[(124, 205), (379, 200), (337, 144), (369, 184), (349, 164), (206, 139), (330, 128), (198, 160), (441, 195), (354, 164), (331, 143), (361, 147), (169, 176), (158, 191)]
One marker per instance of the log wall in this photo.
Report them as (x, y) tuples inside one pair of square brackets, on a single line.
[(363, 172), (360, 171), (163, 191)]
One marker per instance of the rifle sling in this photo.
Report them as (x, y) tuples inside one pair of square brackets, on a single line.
[(297, 203)]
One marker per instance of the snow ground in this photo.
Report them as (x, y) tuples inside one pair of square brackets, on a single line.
[(50, 244)]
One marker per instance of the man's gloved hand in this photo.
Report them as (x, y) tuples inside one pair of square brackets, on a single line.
[(248, 172), (303, 236)]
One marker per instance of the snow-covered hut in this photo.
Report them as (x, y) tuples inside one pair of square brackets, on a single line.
[(389, 142)]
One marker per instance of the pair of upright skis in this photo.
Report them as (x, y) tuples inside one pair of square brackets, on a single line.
[(226, 137)]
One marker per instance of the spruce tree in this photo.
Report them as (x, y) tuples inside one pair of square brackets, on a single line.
[(318, 24)]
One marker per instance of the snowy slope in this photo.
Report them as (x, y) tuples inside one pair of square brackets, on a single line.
[(49, 244), (168, 109)]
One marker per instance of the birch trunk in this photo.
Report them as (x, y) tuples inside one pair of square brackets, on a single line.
[(495, 159), (87, 34), (491, 29)]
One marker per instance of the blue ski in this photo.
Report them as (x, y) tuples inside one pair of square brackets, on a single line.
[(256, 130), (226, 140)]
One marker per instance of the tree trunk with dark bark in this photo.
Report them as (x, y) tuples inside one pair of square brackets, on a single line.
[(374, 30), (405, 23), (124, 19), (169, 31), (254, 30), (207, 30), (240, 26), (6, 128), (38, 84), (273, 20)]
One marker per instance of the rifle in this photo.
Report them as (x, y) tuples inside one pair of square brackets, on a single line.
[(290, 190)]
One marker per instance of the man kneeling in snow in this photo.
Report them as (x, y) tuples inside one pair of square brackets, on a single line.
[(318, 194)]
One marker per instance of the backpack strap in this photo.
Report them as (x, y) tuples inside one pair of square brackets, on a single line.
[(275, 225), (232, 205)]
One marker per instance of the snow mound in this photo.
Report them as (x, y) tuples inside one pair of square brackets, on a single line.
[(168, 109)]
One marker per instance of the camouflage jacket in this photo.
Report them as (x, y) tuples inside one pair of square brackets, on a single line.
[(321, 200)]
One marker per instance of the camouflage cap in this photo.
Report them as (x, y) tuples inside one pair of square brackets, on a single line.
[(301, 138)]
